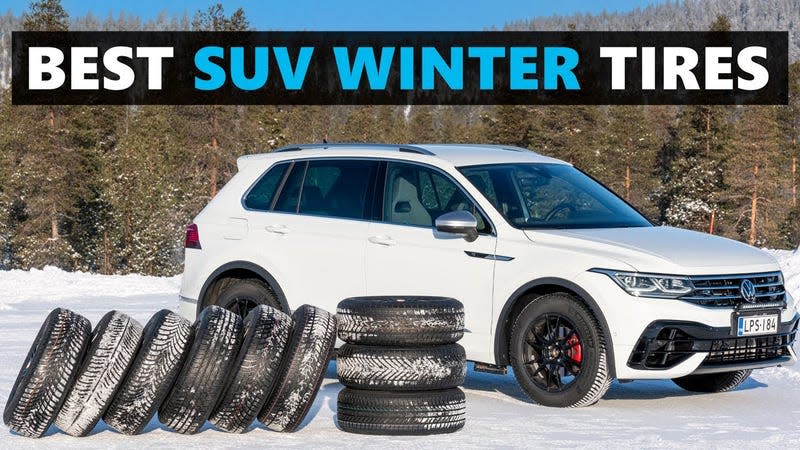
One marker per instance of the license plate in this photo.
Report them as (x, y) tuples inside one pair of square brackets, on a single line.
[(757, 325)]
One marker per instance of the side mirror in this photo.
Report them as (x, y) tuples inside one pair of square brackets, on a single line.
[(462, 223)]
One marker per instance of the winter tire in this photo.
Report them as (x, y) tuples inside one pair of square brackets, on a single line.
[(713, 382), (202, 378), (401, 413), (558, 352), (241, 296), (165, 343), (400, 321), (266, 332), (401, 369), (113, 347), (48, 373), (303, 368)]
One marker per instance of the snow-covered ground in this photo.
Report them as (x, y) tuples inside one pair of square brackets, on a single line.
[(764, 412)]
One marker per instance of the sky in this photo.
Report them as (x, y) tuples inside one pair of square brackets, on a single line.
[(324, 15)]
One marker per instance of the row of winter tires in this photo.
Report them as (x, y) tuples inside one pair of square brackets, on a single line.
[(223, 369)]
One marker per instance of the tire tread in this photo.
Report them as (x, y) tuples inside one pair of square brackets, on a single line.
[(48, 373), (165, 344), (391, 368), (200, 382), (113, 347)]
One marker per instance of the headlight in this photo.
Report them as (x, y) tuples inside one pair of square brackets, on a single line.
[(649, 284)]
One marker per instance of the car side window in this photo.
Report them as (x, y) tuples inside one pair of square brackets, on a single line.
[(337, 188), (417, 195), (262, 193), (287, 200)]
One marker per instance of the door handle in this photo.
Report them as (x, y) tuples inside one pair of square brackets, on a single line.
[(277, 229), (382, 240)]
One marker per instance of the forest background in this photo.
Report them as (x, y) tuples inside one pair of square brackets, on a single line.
[(110, 189)]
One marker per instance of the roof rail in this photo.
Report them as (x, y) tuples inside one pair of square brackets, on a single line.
[(397, 147)]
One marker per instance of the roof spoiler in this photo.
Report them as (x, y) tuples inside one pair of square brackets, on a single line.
[(245, 160)]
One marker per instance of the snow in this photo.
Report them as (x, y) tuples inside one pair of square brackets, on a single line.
[(763, 412)]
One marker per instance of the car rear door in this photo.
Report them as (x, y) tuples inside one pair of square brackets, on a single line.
[(315, 230), (406, 255)]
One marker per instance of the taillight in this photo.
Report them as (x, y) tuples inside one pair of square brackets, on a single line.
[(192, 237)]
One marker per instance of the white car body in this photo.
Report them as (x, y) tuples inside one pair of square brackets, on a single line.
[(322, 260)]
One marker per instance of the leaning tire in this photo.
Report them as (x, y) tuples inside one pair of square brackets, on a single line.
[(266, 331), (165, 343), (558, 352), (200, 382), (303, 368), (48, 373), (713, 382), (401, 369), (112, 349), (401, 413), (400, 321)]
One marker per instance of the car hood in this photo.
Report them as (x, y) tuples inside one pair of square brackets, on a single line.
[(662, 249)]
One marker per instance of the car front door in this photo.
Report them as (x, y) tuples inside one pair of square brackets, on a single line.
[(315, 230), (406, 255)]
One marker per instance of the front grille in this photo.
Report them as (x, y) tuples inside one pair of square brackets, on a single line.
[(725, 290), (750, 349)]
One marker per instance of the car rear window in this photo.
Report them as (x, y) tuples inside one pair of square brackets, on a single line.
[(261, 194)]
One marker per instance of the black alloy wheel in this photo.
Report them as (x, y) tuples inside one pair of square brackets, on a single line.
[(554, 355), (241, 296), (241, 305), (558, 351)]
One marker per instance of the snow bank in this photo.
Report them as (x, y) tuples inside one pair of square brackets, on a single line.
[(52, 285)]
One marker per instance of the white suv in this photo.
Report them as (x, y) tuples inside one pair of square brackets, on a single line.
[(559, 277)]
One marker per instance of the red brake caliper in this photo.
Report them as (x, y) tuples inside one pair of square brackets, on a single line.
[(575, 353)]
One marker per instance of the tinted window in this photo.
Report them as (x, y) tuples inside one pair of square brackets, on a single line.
[(417, 195), (261, 195), (337, 188), (551, 196), (287, 200)]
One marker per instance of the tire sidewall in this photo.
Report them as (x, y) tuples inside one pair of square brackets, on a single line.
[(584, 323)]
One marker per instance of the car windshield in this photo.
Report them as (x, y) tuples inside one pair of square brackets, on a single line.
[(531, 195)]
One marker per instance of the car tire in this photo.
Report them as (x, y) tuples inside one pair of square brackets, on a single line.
[(165, 343), (47, 374), (401, 413), (113, 347), (400, 321), (303, 368), (401, 369), (266, 332), (241, 296), (713, 382), (554, 334), (201, 380)]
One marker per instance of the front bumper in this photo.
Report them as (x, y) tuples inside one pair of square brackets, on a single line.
[(666, 344), (630, 319)]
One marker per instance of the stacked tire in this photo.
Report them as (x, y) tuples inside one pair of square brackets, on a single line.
[(223, 369), (401, 365)]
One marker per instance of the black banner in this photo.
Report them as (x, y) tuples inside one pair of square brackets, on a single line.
[(400, 68)]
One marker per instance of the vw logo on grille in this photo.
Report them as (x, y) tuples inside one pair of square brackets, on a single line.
[(748, 291)]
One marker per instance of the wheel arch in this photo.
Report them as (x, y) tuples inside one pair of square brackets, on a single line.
[(240, 270), (543, 286)]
